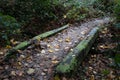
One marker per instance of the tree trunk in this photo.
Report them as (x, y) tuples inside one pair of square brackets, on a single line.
[(74, 58), (25, 44)]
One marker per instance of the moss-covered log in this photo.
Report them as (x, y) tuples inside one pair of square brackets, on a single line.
[(70, 62), (24, 44)]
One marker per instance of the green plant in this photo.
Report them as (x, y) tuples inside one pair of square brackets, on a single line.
[(117, 12), (105, 72), (25, 10), (8, 27)]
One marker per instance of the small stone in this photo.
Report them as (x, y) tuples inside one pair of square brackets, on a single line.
[(43, 51), (31, 71)]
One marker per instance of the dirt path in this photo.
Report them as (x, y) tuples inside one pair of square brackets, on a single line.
[(37, 62)]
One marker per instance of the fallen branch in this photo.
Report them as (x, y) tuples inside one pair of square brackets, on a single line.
[(71, 61), (24, 44)]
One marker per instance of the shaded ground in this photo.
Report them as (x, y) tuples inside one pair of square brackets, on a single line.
[(37, 62), (100, 64)]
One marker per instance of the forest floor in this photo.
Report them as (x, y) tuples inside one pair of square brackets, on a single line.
[(37, 62), (100, 64)]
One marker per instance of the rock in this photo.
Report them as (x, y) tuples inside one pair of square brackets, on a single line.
[(31, 71)]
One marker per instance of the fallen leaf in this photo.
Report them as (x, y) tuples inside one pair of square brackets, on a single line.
[(14, 42), (13, 73), (92, 77), (55, 61), (43, 51), (1, 53), (64, 16), (19, 73), (57, 46), (19, 63), (66, 48), (31, 71), (60, 40), (83, 32), (19, 51), (67, 39), (43, 74), (49, 46), (56, 77), (8, 47), (56, 49), (51, 51)]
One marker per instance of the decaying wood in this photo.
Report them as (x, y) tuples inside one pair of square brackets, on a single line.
[(24, 44), (75, 57)]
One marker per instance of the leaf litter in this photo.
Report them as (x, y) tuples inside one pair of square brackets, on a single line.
[(38, 62)]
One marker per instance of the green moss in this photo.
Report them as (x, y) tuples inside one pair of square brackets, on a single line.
[(71, 61)]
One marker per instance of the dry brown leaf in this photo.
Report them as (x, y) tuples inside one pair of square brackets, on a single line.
[(57, 46), (13, 73), (31, 71), (67, 39), (8, 47), (92, 77), (60, 40), (55, 61)]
